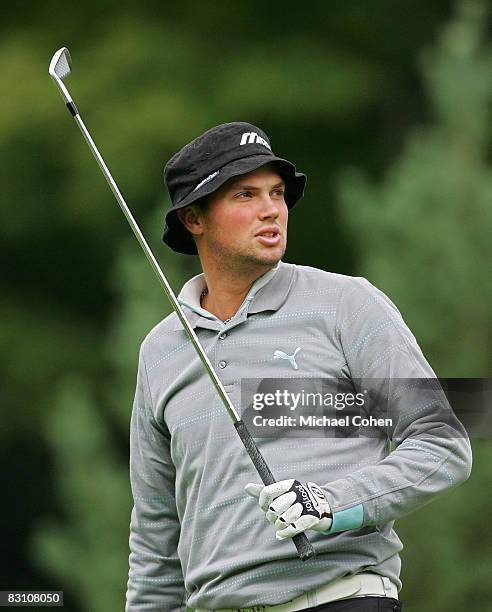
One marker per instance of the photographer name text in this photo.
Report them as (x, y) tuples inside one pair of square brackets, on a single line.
[(321, 421)]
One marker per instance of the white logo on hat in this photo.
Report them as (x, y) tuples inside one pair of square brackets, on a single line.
[(205, 180), (252, 137)]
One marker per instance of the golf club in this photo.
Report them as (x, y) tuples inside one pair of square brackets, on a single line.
[(60, 67)]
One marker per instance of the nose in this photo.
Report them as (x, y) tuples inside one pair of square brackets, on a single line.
[(269, 208)]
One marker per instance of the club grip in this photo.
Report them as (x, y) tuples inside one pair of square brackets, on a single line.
[(303, 545)]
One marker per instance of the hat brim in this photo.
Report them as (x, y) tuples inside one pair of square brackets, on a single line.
[(179, 239)]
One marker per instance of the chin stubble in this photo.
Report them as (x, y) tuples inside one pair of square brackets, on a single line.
[(238, 261)]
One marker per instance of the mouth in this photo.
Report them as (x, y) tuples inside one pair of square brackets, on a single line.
[(269, 237)]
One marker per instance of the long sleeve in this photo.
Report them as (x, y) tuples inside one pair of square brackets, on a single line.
[(155, 577), (432, 450)]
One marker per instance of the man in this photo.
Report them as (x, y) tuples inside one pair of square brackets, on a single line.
[(198, 538)]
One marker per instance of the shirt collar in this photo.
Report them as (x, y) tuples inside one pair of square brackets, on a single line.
[(268, 292)]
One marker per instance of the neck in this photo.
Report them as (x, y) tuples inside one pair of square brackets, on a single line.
[(227, 289)]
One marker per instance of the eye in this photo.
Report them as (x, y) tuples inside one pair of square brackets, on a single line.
[(280, 191), (243, 194)]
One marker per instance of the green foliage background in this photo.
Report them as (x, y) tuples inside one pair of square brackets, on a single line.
[(385, 105)]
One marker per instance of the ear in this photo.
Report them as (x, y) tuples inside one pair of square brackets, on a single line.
[(192, 218)]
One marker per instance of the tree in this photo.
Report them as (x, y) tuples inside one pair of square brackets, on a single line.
[(423, 233), (423, 236), (88, 550)]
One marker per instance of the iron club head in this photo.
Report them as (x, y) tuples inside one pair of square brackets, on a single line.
[(61, 63), (60, 68)]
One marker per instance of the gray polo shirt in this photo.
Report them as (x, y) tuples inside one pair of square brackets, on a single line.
[(196, 537)]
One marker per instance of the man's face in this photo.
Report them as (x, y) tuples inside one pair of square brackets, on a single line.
[(245, 220)]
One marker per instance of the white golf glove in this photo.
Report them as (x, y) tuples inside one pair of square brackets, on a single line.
[(293, 506)]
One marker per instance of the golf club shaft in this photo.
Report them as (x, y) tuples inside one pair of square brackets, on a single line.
[(304, 547)]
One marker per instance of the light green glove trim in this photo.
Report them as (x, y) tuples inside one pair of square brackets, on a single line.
[(351, 518)]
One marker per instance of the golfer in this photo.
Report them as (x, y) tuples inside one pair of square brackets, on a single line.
[(204, 533)]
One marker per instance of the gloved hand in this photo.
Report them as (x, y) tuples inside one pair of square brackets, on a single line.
[(293, 506)]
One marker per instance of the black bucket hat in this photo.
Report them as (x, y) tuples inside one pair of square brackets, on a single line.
[(206, 163)]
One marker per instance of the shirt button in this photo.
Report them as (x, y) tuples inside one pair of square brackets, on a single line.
[(222, 364), (222, 336)]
